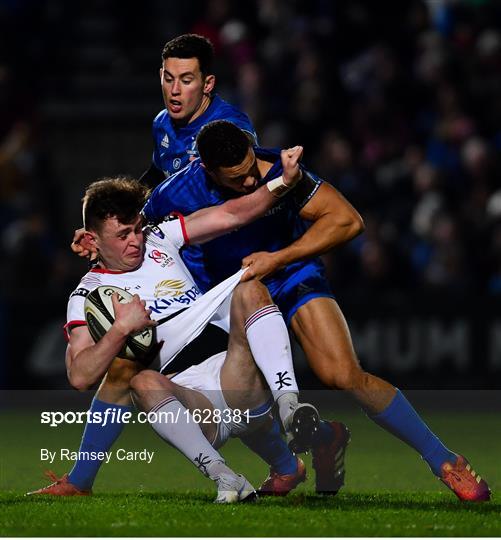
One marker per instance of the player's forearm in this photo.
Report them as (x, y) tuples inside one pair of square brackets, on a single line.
[(89, 365), (209, 223), (244, 210), (322, 236)]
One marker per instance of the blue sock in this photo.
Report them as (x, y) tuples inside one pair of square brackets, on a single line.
[(271, 447), (324, 433), (400, 419), (96, 438)]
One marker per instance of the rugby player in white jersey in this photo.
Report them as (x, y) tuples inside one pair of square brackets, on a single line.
[(152, 266)]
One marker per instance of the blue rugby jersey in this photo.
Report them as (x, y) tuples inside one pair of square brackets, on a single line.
[(174, 146), (192, 189)]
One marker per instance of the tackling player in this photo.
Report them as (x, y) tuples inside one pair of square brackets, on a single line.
[(128, 260), (282, 248)]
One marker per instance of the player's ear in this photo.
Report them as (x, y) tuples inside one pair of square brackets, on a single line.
[(209, 83), (89, 240)]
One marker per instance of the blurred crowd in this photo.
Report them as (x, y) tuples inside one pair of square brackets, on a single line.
[(398, 105)]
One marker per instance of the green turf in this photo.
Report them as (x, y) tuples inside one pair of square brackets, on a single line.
[(389, 492)]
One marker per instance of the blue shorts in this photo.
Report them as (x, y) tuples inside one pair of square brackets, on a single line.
[(296, 287)]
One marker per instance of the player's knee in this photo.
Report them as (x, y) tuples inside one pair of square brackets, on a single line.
[(251, 295), (347, 378), (144, 382), (148, 382)]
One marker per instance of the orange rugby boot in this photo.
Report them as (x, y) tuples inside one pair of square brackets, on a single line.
[(61, 487), (464, 481)]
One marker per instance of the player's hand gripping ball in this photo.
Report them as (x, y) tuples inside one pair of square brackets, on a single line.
[(100, 315)]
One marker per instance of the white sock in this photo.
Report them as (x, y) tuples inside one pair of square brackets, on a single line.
[(216, 468), (286, 404), (270, 345), (174, 424)]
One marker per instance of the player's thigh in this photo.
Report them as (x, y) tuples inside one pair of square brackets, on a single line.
[(322, 331)]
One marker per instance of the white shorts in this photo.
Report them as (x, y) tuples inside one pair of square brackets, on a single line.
[(206, 379), (213, 307)]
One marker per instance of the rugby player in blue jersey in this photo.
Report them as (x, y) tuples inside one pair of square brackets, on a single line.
[(282, 249), (187, 87)]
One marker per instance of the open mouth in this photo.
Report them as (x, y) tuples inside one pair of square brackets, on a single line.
[(175, 106)]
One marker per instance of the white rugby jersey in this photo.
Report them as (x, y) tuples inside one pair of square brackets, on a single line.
[(167, 286), (163, 280)]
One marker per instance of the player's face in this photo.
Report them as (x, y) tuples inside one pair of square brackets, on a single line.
[(121, 247), (185, 90), (243, 177)]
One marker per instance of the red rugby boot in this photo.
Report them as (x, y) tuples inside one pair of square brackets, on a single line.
[(328, 460), (60, 488), (464, 481), (279, 485)]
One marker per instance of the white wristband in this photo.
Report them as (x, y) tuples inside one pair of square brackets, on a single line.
[(277, 187)]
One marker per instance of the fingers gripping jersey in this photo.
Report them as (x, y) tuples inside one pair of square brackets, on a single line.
[(167, 287)]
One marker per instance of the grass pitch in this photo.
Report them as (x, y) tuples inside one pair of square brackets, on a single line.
[(389, 491)]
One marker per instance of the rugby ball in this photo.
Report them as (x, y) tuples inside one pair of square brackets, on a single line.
[(99, 315)]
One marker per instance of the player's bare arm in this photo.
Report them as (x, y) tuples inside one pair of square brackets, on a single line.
[(335, 222), (209, 223), (86, 361)]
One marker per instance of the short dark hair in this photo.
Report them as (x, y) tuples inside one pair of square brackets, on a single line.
[(222, 144), (191, 46), (121, 197)]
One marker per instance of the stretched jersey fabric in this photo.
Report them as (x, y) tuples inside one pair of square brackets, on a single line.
[(168, 288), (192, 189), (174, 146)]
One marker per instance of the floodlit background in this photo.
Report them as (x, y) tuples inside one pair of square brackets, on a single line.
[(396, 103)]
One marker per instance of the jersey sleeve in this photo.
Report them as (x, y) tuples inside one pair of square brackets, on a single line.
[(75, 314), (305, 189), (172, 230)]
